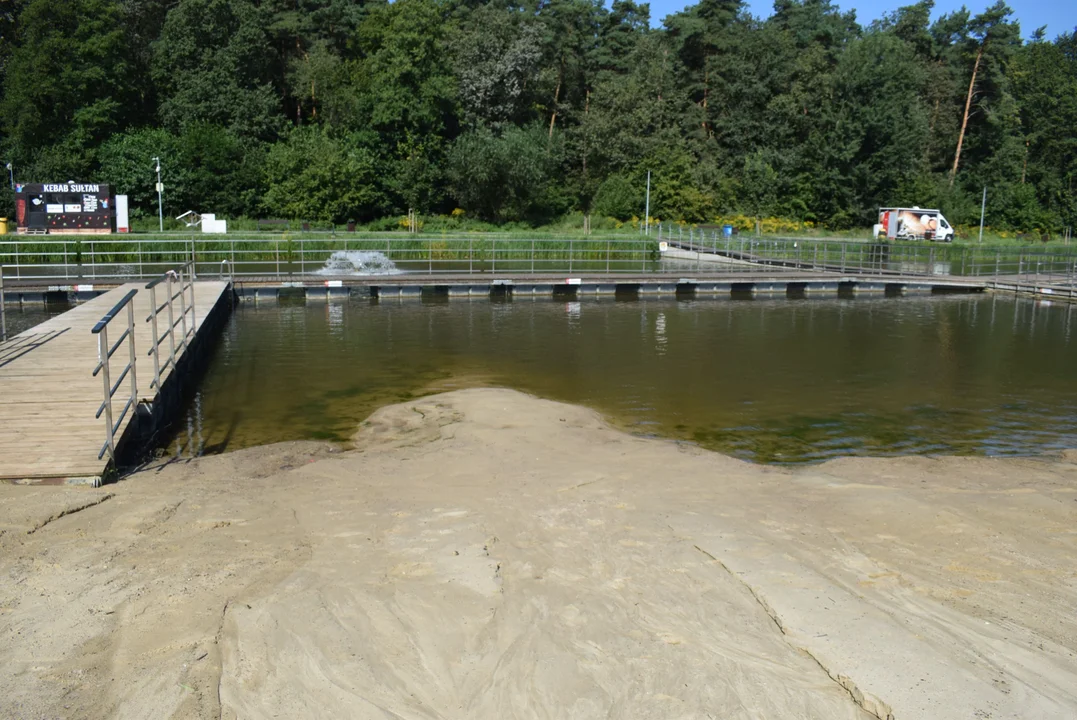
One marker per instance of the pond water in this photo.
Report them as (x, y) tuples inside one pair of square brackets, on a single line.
[(765, 380), (23, 318)]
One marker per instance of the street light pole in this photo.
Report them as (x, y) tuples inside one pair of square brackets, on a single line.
[(11, 175), (160, 189)]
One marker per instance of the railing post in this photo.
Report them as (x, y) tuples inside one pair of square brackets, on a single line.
[(156, 339), (570, 247), (532, 256), (102, 356), (470, 256), (183, 308), (194, 315), (132, 356), (3, 309), (171, 322)]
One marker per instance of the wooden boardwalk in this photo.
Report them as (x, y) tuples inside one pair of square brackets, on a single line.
[(49, 396)]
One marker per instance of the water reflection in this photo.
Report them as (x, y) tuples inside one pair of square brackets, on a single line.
[(768, 380)]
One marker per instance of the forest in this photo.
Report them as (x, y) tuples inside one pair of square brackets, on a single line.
[(518, 113)]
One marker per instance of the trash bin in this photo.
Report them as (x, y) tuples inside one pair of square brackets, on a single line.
[(3, 226), (727, 231), (351, 226)]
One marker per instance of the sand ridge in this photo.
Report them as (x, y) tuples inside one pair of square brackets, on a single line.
[(484, 553)]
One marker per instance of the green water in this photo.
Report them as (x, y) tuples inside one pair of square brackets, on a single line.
[(766, 380), (19, 319)]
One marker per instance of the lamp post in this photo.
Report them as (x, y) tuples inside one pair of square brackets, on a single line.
[(160, 190), (10, 175)]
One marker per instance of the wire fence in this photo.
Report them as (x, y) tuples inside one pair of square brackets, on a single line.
[(113, 258)]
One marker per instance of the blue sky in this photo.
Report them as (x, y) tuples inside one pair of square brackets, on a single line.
[(1058, 15)]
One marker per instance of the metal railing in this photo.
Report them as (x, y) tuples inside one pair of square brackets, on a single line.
[(109, 258), (183, 278), (105, 351)]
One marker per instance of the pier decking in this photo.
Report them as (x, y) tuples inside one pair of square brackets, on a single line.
[(49, 395)]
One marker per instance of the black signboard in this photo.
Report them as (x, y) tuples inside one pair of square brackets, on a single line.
[(64, 207)]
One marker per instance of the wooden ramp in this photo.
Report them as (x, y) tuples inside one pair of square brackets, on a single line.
[(49, 396)]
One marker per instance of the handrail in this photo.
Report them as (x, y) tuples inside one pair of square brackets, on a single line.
[(184, 275), (105, 351), (104, 321), (697, 250)]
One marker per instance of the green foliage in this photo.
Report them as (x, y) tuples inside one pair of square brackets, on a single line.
[(312, 176), (205, 169), (618, 197), (329, 110), (509, 177), (211, 64), (66, 84)]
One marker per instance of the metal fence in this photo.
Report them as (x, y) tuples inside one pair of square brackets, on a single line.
[(105, 351), (112, 258), (182, 279)]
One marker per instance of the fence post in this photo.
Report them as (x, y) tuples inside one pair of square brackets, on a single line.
[(608, 252), (570, 246), (493, 255), (532, 256), (470, 257)]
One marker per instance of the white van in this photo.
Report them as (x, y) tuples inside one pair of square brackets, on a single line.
[(912, 224)]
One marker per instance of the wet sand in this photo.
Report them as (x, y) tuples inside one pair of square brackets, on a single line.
[(486, 554)]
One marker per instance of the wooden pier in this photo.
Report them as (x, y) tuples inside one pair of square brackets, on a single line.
[(50, 396)]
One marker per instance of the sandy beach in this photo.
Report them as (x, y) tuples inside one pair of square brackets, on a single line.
[(486, 554)]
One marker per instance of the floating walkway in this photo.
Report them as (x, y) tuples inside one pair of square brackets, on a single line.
[(794, 284), (50, 394)]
